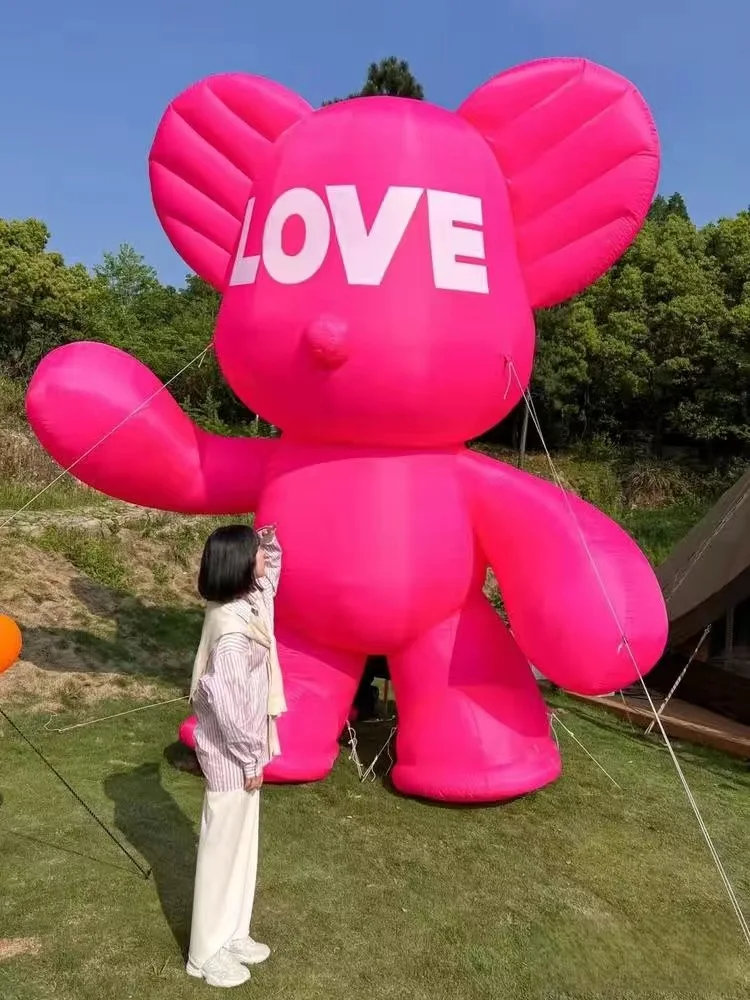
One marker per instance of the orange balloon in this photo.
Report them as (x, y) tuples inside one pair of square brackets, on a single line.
[(10, 642)]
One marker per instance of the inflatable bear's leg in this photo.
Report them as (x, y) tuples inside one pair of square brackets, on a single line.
[(472, 726), (320, 685)]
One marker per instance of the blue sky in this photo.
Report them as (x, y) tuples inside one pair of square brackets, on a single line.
[(84, 84)]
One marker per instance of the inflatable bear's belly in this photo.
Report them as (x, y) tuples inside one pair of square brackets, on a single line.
[(378, 546)]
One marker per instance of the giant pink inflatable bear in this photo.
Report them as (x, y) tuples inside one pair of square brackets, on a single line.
[(379, 261)]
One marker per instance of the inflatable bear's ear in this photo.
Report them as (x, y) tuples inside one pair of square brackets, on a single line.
[(207, 152), (579, 150)]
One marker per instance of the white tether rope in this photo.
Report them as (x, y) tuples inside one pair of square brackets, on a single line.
[(626, 645), (198, 358), (670, 693), (699, 552), (555, 718), (106, 718)]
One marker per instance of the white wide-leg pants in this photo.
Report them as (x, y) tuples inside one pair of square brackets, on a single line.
[(225, 872)]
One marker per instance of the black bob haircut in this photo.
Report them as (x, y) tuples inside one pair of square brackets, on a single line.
[(228, 564)]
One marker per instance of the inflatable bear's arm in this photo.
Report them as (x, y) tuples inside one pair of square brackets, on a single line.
[(582, 600), (102, 414)]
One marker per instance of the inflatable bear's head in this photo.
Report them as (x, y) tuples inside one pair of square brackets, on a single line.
[(380, 258)]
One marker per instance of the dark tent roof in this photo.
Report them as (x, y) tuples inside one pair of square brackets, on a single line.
[(708, 572)]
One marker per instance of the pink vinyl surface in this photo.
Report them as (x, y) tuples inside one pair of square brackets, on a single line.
[(379, 261)]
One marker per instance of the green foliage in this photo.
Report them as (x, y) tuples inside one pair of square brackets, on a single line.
[(97, 556), (390, 77), (11, 401), (657, 530), (65, 496), (43, 302), (664, 207), (658, 351), (165, 328)]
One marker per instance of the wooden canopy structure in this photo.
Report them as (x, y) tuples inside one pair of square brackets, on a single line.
[(703, 682), (707, 575), (706, 584)]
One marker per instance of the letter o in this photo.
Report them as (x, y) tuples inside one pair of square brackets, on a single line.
[(291, 269)]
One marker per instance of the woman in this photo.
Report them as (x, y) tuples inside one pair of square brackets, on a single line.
[(237, 695)]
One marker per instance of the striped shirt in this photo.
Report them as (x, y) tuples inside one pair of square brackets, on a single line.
[(231, 700)]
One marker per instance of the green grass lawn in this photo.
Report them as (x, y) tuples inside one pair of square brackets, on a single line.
[(581, 891)]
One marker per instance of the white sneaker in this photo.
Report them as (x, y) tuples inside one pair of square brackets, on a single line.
[(223, 970), (248, 951)]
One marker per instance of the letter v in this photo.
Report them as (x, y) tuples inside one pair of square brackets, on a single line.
[(366, 256)]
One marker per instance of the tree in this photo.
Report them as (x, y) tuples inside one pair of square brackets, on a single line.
[(390, 77), (663, 207), (565, 338), (133, 307), (126, 275), (43, 301), (658, 349), (165, 328)]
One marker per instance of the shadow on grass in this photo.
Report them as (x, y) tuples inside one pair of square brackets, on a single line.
[(145, 640), (156, 827)]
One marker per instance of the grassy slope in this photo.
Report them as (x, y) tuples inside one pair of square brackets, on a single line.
[(104, 611)]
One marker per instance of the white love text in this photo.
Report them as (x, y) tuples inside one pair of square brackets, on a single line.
[(456, 239)]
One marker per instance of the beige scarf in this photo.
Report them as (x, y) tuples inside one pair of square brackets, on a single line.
[(225, 619)]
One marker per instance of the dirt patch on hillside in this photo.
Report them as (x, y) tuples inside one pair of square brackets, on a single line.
[(104, 614)]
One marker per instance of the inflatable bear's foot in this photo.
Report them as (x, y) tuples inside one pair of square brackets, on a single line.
[(540, 766), (472, 726)]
